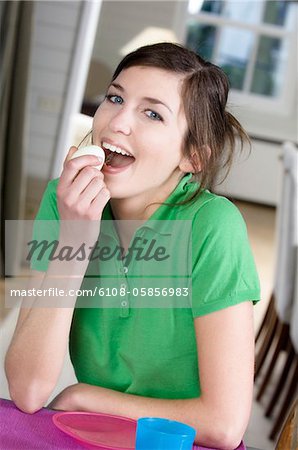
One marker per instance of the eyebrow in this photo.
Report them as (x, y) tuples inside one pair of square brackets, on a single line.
[(152, 100)]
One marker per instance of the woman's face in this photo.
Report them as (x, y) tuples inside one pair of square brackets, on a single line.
[(142, 116)]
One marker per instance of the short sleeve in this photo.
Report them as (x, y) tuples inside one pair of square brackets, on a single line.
[(223, 267), (45, 229)]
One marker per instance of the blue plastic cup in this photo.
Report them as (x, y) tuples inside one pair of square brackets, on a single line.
[(163, 434)]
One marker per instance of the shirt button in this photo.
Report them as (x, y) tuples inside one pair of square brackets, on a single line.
[(124, 303), (125, 269)]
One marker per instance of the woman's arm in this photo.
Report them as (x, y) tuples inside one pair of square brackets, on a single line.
[(226, 359), (35, 357), (36, 353)]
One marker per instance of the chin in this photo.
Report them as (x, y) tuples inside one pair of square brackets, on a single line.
[(117, 194)]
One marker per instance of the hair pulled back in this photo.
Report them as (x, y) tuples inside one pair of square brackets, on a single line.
[(210, 141)]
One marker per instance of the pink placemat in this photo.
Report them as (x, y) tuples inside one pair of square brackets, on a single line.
[(21, 431)]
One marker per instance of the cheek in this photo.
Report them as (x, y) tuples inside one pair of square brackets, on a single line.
[(162, 146), (162, 152), (102, 116), (155, 145), (96, 123), (99, 118)]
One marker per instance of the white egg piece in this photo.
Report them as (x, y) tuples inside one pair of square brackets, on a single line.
[(90, 150)]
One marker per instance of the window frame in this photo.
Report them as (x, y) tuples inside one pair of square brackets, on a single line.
[(284, 102)]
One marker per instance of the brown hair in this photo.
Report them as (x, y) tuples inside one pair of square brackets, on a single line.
[(210, 140)]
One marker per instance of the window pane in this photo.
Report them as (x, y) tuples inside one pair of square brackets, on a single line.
[(201, 38), (245, 11), (213, 6), (233, 54), (276, 12), (269, 67)]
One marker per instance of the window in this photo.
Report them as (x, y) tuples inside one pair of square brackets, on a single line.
[(253, 42)]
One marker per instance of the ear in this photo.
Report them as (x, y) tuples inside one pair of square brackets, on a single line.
[(192, 165)]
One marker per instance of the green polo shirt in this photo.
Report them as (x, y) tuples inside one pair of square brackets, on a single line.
[(146, 344)]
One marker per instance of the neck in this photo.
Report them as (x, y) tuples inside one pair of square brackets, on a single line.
[(130, 214), (130, 209), (141, 207)]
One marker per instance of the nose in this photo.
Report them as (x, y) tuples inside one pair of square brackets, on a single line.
[(121, 122)]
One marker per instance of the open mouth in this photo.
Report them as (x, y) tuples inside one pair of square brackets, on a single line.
[(116, 157)]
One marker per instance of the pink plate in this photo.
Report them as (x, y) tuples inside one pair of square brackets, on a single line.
[(100, 430)]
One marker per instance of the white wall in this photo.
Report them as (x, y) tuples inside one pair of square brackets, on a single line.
[(273, 124), (121, 21), (55, 27), (255, 175)]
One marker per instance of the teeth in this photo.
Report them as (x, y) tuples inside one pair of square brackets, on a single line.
[(115, 149)]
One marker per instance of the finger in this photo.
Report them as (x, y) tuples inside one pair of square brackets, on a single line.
[(84, 177), (80, 183), (101, 200), (74, 166), (71, 151), (91, 192)]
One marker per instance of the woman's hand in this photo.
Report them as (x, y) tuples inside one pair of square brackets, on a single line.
[(81, 196), (81, 192), (66, 399)]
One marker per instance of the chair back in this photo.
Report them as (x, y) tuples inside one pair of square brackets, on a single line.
[(288, 439)]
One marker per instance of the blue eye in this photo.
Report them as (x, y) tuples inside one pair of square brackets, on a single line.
[(153, 115), (115, 99)]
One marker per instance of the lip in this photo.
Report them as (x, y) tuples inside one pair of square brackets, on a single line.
[(109, 170), (116, 144)]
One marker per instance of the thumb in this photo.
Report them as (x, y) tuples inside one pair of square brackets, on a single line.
[(71, 151)]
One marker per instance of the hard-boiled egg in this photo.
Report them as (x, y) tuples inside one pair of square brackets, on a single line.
[(91, 150)]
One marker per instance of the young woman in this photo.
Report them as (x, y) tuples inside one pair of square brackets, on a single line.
[(165, 111)]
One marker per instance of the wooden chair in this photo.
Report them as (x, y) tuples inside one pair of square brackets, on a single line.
[(266, 318), (268, 331), (279, 344), (291, 394), (288, 439), (276, 337), (290, 360)]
